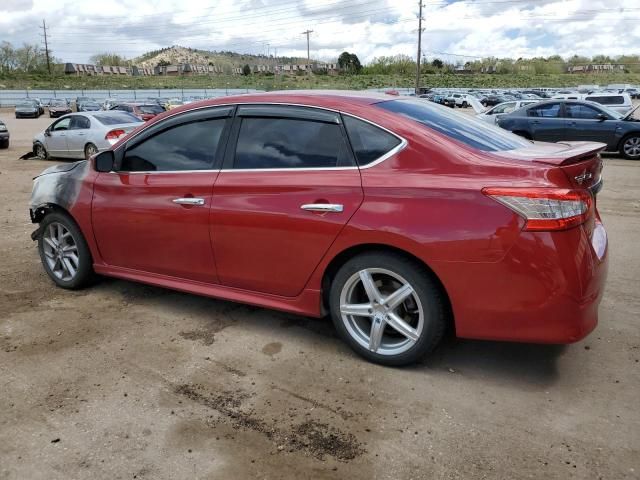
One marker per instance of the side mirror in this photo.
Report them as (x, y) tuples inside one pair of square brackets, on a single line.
[(602, 117), (104, 161), (47, 132)]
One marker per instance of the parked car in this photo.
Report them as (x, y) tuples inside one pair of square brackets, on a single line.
[(80, 100), (57, 108), (144, 111), (620, 102), (4, 135), (573, 120), (461, 100), (494, 113), (397, 216), (39, 103), (28, 109), (80, 135), (493, 100), (89, 106), (109, 103), (172, 103)]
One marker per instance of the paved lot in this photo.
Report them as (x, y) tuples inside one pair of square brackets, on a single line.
[(129, 381)]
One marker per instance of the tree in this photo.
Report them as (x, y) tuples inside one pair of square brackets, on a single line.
[(164, 63), (246, 70), (437, 63), (111, 59), (349, 62)]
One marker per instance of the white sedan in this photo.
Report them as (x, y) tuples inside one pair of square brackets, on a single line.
[(80, 135), (494, 113)]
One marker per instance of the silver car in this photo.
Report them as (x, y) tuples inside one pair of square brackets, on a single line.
[(81, 135), (494, 113)]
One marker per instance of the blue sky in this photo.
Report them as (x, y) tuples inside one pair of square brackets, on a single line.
[(454, 30)]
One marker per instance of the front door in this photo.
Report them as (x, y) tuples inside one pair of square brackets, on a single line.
[(56, 141), (288, 186), (152, 214), (583, 124)]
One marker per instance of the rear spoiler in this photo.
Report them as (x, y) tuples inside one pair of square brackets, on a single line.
[(575, 153), (557, 154)]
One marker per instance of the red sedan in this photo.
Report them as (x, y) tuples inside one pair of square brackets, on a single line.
[(399, 217)]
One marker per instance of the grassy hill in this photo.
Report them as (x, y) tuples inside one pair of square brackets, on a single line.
[(271, 82)]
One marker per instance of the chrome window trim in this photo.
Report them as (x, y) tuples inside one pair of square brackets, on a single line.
[(401, 146)]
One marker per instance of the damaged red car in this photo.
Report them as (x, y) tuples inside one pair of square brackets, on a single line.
[(399, 218)]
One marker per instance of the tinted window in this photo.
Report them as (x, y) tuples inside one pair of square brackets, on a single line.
[(190, 146), (611, 100), (460, 127), (576, 110), (368, 141), (150, 109), (550, 110), (78, 122), (290, 143), (113, 118)]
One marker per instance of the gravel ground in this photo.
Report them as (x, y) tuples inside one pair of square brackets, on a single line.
[(129, 381)]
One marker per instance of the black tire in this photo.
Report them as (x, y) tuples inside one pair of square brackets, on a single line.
[(36, 147), (465, 104), (90, 149), (424, 286), (4, 143), (84, 274), (634, 137)]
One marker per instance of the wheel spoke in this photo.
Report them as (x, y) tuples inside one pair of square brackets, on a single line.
[(375, 335), (59, 232), (52, 233), (398, 324), (70, 269), (370, 287), (359, 309), (399, 296), (49, 242)]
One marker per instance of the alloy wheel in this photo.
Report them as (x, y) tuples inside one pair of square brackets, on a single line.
[(40, 152), (631, 147), (60, 251), (90, 150), (381, 311)]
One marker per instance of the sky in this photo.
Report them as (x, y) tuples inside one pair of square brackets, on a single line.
[(454, 30)]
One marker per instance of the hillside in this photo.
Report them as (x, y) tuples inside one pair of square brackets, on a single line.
[(177, 54)]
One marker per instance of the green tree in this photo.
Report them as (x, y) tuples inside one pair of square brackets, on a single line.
[(246, 70), (349, 62), (437, 63), (111, 59)]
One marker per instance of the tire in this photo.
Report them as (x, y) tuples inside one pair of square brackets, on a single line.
[(40, 151), (630, 147), (465, 104), (71, 269), (422, 310), (4, 143), (89, 150)]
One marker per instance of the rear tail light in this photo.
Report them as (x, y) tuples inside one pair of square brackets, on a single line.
[(546, 209), (113, 135)]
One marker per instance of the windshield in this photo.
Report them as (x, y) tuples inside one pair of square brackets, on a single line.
[(460, 127), (58, 103), (114, 118), (25, 105), (150, 109)]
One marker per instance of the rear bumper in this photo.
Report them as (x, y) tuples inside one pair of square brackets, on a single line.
[(547, 289), (4, 136)]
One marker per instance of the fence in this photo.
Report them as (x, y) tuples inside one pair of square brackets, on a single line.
[(9, 98)]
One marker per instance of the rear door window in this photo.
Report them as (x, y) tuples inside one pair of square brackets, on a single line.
[(549, 110), (79, 123), (608, 100), (268, 143)]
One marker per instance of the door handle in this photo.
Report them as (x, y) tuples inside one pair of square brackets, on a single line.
[(81, 133), (322, 207), (189, 201)]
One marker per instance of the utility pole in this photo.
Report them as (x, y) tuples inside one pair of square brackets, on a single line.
[(308, 56), (419, 49), (46, 45)]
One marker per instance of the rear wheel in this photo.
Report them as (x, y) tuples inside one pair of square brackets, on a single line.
[(40, 152), (387, 308), (630, 148), (64, 252), (89, 150)]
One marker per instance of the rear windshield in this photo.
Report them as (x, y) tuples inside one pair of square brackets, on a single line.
[(114, 118), (612, 100), (463, 128), (150, 109)]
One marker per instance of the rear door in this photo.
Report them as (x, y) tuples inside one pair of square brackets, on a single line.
[(582, 124), (288, 186), (77, 135), (546, 123)]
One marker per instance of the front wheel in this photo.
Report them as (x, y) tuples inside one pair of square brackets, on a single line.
[(64, 252), (631, 147), (40, 152), (387, 308)]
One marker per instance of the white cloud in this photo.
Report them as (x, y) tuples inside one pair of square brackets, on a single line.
[(370, 28)]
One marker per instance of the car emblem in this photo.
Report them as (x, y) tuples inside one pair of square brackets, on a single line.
[(583, 176)]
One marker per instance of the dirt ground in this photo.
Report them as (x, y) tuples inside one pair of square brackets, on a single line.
[(128, 381)]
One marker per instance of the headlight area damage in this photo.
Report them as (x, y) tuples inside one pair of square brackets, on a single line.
[(58, 187)]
